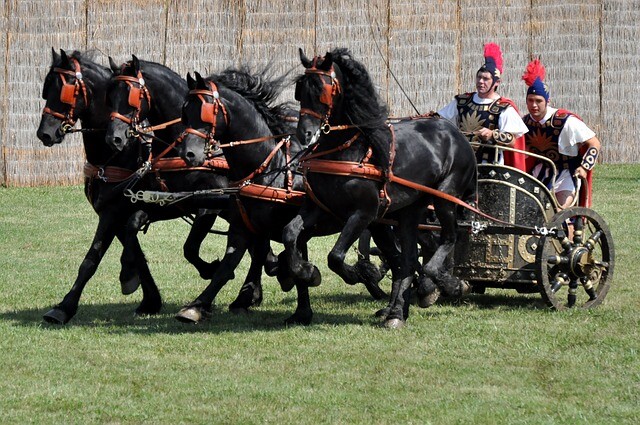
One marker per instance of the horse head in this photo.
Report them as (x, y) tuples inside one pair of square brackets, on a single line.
[(129, 100), (66, 95), (319, 91), (205, 117)]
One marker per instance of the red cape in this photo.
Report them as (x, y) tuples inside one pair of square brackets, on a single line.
[(515, 159)]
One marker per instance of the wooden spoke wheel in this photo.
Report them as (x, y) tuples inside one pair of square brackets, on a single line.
[(575, 262)]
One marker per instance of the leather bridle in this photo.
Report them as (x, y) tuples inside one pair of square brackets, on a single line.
[(69, 95), (137, 92), (208, 114), (330, 88)]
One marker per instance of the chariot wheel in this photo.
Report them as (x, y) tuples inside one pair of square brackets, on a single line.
[(575, 260)]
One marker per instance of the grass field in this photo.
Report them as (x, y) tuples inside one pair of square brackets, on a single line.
[(496, 358)]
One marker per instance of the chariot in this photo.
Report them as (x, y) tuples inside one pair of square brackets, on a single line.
[(567, 255)]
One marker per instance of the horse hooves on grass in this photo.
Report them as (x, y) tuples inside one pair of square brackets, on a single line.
[(394, 324), (131, 285), (429, 299), (316, 277), (192, 315), (56, 316)]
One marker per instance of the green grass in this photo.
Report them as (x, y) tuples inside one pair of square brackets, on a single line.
[(501, 357)]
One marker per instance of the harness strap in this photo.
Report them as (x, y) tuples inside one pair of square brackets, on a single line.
[(108, 174), (178, 164), (273, 194)]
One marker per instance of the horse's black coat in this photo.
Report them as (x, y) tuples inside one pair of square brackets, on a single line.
[(248, 100), (430, 152), (118, 217)]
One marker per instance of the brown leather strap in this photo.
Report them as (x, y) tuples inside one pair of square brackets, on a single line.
[(108, 174), (178, 164), (273, 194)]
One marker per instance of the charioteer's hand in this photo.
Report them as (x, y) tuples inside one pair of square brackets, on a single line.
[(580, 173), (484, 134)]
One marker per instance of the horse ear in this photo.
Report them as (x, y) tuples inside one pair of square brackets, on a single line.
[(114, 66), (304, 59), (55, 57), (191, 83), (64, 59), (200, 81), (135, 63), (326, 62)]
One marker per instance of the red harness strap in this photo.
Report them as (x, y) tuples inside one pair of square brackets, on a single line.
[(178, 164)]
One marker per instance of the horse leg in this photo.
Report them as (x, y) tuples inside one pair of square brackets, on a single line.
[(371, 275), (300, 270), (386, 242), (129, 272), (200, 308), (303, 313), (271, 264), (407, 233), (105, 232), (427, 291), (438, 267), (251, 291), (351, 231), (203, 222)]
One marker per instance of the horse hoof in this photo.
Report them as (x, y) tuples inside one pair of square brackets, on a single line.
[(286, 283), (394, 324), (129, 286), (429, 300), (192, 315), (465, 288), (56, 316), (316, 277)]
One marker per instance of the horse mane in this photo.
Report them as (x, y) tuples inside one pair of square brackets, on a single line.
[(362, 105), (262, 90)]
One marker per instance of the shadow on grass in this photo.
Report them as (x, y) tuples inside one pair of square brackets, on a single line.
[(120, 317)]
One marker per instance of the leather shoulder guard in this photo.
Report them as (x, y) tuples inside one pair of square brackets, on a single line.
[(464, 98)]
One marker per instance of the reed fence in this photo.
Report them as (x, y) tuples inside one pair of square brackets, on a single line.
[(432, 48)]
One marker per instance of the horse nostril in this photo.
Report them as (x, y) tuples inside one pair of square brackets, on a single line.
[(308, 135), (191, 155)]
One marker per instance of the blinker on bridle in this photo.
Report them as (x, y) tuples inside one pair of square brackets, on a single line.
[(208, 114), (330, 88), (137, 91), (69, 95)]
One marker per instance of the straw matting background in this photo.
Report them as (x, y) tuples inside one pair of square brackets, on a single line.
[(433, 48)]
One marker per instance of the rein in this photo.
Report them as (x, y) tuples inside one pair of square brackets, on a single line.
[(311, 163)]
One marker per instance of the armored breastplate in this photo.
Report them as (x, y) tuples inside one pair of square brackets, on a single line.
[(542, 139), (473, 116)]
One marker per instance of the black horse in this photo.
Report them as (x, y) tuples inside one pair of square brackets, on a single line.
[(342, 118), (235, 111), (143, 90), (75, 89)]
